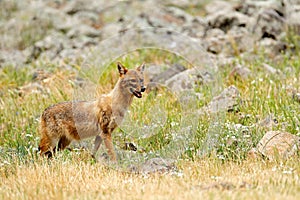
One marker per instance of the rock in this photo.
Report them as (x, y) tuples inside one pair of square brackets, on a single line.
[(239, 40), (85, 5), (215, 32), (196, 28), (278, 144), (267, 24), (12, 57), (163, 19), (152, 71), (168, 73), (157, 75), (236, 41), (83, 29), (59, 20), (71, 54), (243, 72), (187, 80), (179, 14), (270, 69), (223, 61), (181, 3), (142, 21), (215, 40), (111, 30), (228, 100), (83, 41), (215, 6), (155, 165), (66, 24), (53, 40), (50, 46), (251, 7), (90, 18), (272, 47), (226, 20), (292, 12), (154, 87)]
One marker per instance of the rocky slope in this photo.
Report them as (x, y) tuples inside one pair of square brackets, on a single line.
[(57, 30)]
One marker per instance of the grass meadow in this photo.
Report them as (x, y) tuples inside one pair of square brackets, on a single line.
[(210, 152), (158, 125)]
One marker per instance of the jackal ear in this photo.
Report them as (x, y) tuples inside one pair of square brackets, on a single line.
[(141, 68), (122, 69)]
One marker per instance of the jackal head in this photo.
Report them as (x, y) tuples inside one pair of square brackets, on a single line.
[(132, 80)]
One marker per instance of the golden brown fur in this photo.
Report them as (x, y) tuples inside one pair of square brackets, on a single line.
[(76, 120)]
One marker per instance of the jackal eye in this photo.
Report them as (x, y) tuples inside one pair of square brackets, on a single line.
[(133, 80)]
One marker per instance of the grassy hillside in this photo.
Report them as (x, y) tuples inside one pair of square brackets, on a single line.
[(210, 151), (153, 124)]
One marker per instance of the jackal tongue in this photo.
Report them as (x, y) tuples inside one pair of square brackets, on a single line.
[(137, 94)]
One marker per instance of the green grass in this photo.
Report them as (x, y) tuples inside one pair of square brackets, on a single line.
[(159, 124), (158, 116)]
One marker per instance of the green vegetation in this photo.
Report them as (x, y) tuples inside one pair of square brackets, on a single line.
[(157, 123), (153, 121), (160, 124)]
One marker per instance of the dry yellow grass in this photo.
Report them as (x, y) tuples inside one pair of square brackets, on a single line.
[(75, 176), (202, 179)]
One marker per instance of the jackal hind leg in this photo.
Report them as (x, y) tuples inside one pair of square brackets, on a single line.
[(63, 143), (69, 133)]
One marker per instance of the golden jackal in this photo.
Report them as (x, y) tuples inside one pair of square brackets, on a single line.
[(76, 120)]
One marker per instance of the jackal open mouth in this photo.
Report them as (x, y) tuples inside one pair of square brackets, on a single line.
[(137, 94)]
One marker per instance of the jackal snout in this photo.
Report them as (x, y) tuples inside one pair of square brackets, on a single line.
[(138, 92), (143, 89)]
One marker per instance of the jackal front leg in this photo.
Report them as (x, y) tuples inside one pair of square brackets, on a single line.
[(109, 145), (97, 144)]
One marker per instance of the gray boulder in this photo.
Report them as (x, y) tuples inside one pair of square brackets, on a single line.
[(241, 71), (168, 73), (251, 7), (272, 47), (269, 69), (278, 145), (267, 24), (228, 100), (187, 80), (12, 57), (215, 6), (225, 20), (83, 29), (50, 46), (292, 12), (236, 41)]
